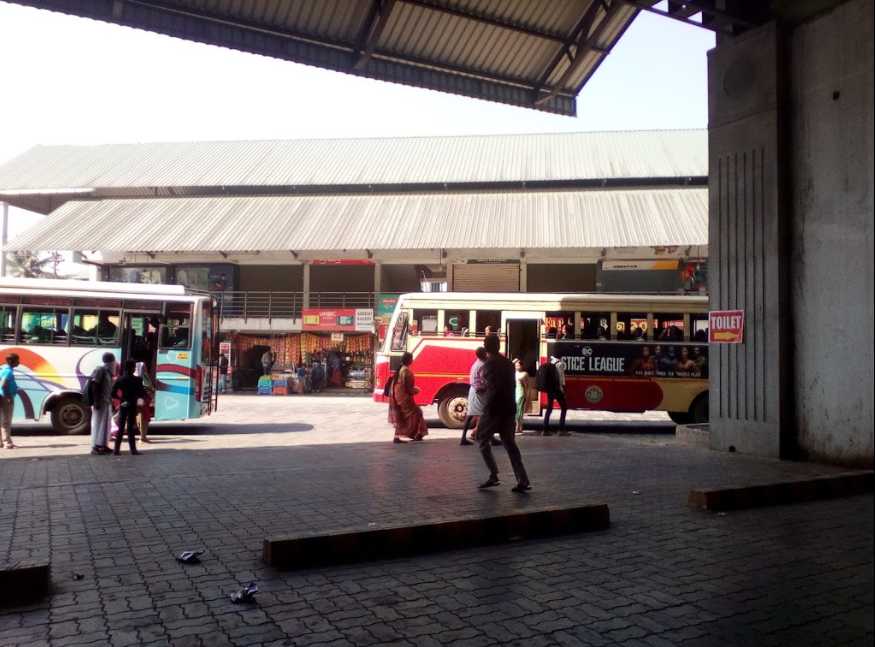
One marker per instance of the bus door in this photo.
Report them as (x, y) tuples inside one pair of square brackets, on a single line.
[(524, 342)]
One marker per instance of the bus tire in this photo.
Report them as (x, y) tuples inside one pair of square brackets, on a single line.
[(699, 410), (453, 408), (680, 417), (70, 416)]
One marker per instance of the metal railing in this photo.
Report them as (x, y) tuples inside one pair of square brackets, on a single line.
[(286, 305)]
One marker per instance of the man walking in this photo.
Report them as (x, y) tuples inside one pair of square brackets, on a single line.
[(498, 386), (475, 406), (8, 391), (130, 391), (223, 372), (551, 378), (101, 404)]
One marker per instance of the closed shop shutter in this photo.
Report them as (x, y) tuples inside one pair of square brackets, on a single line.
[(486, 277)]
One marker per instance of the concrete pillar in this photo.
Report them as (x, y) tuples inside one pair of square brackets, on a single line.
[(524, 276), (5, 233), (378, 277), (747, 265), (306, 282)]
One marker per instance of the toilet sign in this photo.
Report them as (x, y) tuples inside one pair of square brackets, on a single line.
[(725, 326)]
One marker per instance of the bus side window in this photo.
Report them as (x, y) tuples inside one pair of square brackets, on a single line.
[(7, 324), (595, 325), (456, 322), (399, 333), (699, 326), (176, 333), (425, 322), (488, 319), (668, 327), (44, 326), (631, 326), (95, 328)]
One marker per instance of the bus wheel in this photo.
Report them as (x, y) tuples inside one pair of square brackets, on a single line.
[(453, 409), (699, 410), (680, 417), (70, 416)]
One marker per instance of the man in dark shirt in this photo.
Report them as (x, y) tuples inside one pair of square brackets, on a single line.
[(130, 390), (498, 385)]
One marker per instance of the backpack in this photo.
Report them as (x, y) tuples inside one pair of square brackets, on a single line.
[(547, 378), (88, 390)]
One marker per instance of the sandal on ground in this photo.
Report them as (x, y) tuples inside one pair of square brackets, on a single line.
[(492, 481), (465, 442), (519, 488)]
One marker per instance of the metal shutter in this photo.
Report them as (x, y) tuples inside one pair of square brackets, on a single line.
[(486, 277)]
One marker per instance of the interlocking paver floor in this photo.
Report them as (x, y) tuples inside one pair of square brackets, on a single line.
[(662, 575)]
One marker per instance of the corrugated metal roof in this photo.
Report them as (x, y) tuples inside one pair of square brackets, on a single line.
[(561, 219), (532, 53), (363, 162)]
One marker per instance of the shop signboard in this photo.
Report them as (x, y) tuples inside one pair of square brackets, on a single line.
[(631, 359), (338, 320), (386, 305), (337, 337), (726, 326)]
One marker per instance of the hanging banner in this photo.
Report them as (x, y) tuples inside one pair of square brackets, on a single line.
[(726, 326)]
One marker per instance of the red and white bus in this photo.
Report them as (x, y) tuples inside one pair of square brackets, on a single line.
[(622, 353)]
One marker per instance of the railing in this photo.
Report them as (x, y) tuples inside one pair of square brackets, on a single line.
[(286, 305)]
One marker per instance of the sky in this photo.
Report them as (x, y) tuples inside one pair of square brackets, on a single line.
[(68, 80)]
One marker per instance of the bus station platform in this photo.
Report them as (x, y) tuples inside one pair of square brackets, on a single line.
[(663, 573)]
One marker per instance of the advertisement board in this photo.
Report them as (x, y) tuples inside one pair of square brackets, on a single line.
[(338, 320), (225, 347), (726, 326), (631, 359)]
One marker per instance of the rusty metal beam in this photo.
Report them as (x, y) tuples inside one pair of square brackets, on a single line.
[(586, 43), (378, 17)]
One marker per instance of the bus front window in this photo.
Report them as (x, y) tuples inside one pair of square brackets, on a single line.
[(399, 333)]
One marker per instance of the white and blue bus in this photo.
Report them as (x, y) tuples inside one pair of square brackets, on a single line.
[(60, 330)]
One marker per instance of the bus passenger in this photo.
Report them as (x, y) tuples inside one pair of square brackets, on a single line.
[(8, 391), (497, 391), (404, 413), (101, 403), (132, 397), (475, 407)]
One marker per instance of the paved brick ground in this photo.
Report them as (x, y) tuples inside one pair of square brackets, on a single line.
[(662, 575)]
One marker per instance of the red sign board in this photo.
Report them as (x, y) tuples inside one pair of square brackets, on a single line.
[(725, 326)]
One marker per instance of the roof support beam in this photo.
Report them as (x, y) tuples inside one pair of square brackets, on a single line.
[(479, 16), (713, 19), (377, 19), (587, 41)]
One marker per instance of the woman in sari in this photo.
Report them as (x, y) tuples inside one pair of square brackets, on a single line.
[(404, 413)]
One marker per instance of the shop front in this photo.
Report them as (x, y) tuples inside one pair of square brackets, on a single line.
[(339, 344)]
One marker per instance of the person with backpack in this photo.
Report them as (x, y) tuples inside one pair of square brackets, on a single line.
[(98, 393), (551, 380), (8, 391)]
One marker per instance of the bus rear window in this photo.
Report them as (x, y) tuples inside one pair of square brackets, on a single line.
[(176, 333)]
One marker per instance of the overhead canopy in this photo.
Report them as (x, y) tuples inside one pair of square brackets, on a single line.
[(45, 177), (509, 220), (536, 54)]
